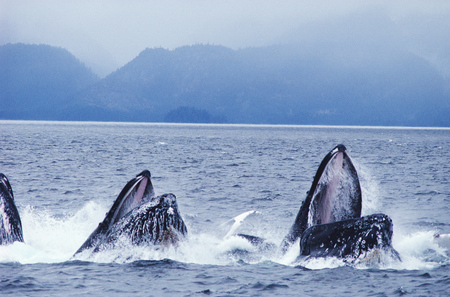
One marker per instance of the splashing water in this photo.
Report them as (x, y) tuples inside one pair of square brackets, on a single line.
[(53, 240), (50, 239), (370, 190)]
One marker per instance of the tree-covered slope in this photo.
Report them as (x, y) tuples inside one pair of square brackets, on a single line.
[(39, 81), (277, 85), (368, 84)]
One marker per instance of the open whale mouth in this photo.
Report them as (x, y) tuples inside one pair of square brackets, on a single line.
[(335, 193), (139, 216), (137, 191), (329, 222)]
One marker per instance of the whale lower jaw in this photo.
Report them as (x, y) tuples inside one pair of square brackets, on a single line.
[(10, 231), (10, 223), (351, 238), (151, 224), (155, 223)]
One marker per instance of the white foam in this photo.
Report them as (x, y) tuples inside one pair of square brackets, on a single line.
[(419, 250), (370, 190), (50, 239), (321, 263)]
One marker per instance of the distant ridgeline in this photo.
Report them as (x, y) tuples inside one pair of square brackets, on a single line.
[(212, 84), (39, 81)]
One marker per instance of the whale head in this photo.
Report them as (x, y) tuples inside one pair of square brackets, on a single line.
[(139, 217), (10, 224), (332, 223), (335, 195), (329, 222)]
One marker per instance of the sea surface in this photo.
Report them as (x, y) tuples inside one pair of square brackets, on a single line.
[(66, 175)]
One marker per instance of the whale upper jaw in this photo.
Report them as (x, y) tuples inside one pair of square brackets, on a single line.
[(136, 192), (10, 224), (6, 186)]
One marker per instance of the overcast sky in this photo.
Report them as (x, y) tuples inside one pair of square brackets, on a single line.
[(106, 34)]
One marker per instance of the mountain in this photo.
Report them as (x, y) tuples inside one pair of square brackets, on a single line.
[(276, 85), (39, 81), (370, 83), (160, 81)]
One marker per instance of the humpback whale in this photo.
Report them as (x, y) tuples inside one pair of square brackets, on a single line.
[(139, 217), (10, 224), (329, 221)]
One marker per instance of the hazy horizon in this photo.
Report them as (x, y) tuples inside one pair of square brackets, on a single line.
[(105, 35)]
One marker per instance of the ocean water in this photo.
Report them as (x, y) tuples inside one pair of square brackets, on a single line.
[(66, 175)]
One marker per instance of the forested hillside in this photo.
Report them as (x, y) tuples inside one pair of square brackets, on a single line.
[(284, 84), (39, 81)]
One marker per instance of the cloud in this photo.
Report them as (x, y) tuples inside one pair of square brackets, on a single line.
[(106, 34)]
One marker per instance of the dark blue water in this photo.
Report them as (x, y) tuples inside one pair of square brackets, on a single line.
[(65, 177)]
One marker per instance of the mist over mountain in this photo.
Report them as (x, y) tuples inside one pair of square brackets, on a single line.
[(39, 81), (286, 84), (370, 84)]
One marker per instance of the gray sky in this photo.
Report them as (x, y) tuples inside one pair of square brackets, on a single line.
[(106, 34)]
